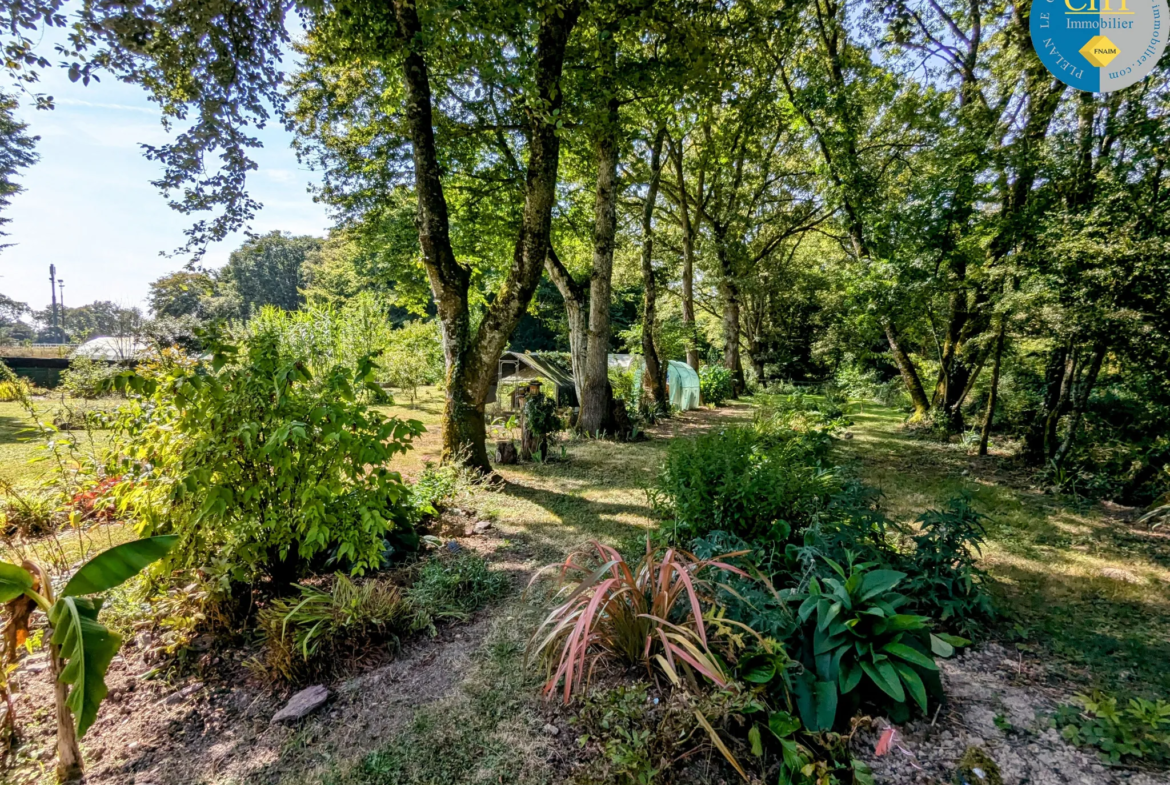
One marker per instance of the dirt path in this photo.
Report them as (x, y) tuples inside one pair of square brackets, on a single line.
[(994, 702)]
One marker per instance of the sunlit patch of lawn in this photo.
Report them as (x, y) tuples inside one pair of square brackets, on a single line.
[(1078, 584)]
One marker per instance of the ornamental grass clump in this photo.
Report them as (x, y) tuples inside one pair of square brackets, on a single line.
[(649, 614)]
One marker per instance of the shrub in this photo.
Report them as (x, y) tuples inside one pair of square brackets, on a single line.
[(1139, 730), (262, 470), (855, 641), (451, 588), (435, 487), (751, 601), (943, 579), (734, 481), (649, 614), (88, 378), (715, 384), (28, 513), (321, 630), (16, 389)]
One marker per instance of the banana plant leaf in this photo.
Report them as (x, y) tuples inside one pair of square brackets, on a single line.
[(14, 581), (87, 648), (117, 565)]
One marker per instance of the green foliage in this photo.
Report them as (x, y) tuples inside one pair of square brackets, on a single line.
[(540, 416), (413, 357), (267, 270), (715, 384), (327, 336), (943, 580), (320, 632), (117, 565), (88, 378), (263, 468), (451, 588), (855, 641), (87, 648), (748, 599), (30, 513), (1139, 730), (436, 486), (182, 293), (755, 487)]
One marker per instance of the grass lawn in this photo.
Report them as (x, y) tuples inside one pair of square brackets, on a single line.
[(16, 450), (1083, 588)]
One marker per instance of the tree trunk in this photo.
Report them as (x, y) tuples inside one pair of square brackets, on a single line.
[(1082, 401), (688, 270), (472, 360), (729, 293), (576, 314), (68, 752), (654, 374), (595, 406), (909, 373), (993, 393), (1061, 402)]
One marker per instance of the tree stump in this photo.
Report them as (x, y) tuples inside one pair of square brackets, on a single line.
[(531, 442), (506, 452)]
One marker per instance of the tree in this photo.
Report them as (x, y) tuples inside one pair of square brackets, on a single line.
[(394, 47), (98, 318), (269, 270), (16, 153), (181, 293)]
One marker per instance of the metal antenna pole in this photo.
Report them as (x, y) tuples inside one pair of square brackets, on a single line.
[(53, 292), (61, 286)]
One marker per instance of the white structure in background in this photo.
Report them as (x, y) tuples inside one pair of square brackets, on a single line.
[(113, 349)]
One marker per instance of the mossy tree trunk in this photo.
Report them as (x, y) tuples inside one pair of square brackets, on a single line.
[(595, 406), (472, 358), (654, 374)]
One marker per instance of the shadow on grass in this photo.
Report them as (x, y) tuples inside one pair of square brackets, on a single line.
[(1095, 636), (578, 517), (14, 430)]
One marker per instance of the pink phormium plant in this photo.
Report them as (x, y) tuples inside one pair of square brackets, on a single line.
[(623, 612)]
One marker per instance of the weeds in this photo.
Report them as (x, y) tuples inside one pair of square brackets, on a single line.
[(451, 588), (1122, 733)]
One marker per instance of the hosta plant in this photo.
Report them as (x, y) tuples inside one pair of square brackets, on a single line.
[(650, 613), (856, 642), (80, 647)]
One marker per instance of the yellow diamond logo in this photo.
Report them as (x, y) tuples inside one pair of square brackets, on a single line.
[(1100, 51)]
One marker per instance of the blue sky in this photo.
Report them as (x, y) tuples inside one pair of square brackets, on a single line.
[(89, 208)]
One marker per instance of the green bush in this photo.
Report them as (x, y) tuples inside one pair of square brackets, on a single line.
[(87, 378), (735, 481), (715, 384), (943, 579), (451, 588), (435, 487), (261, 469)]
